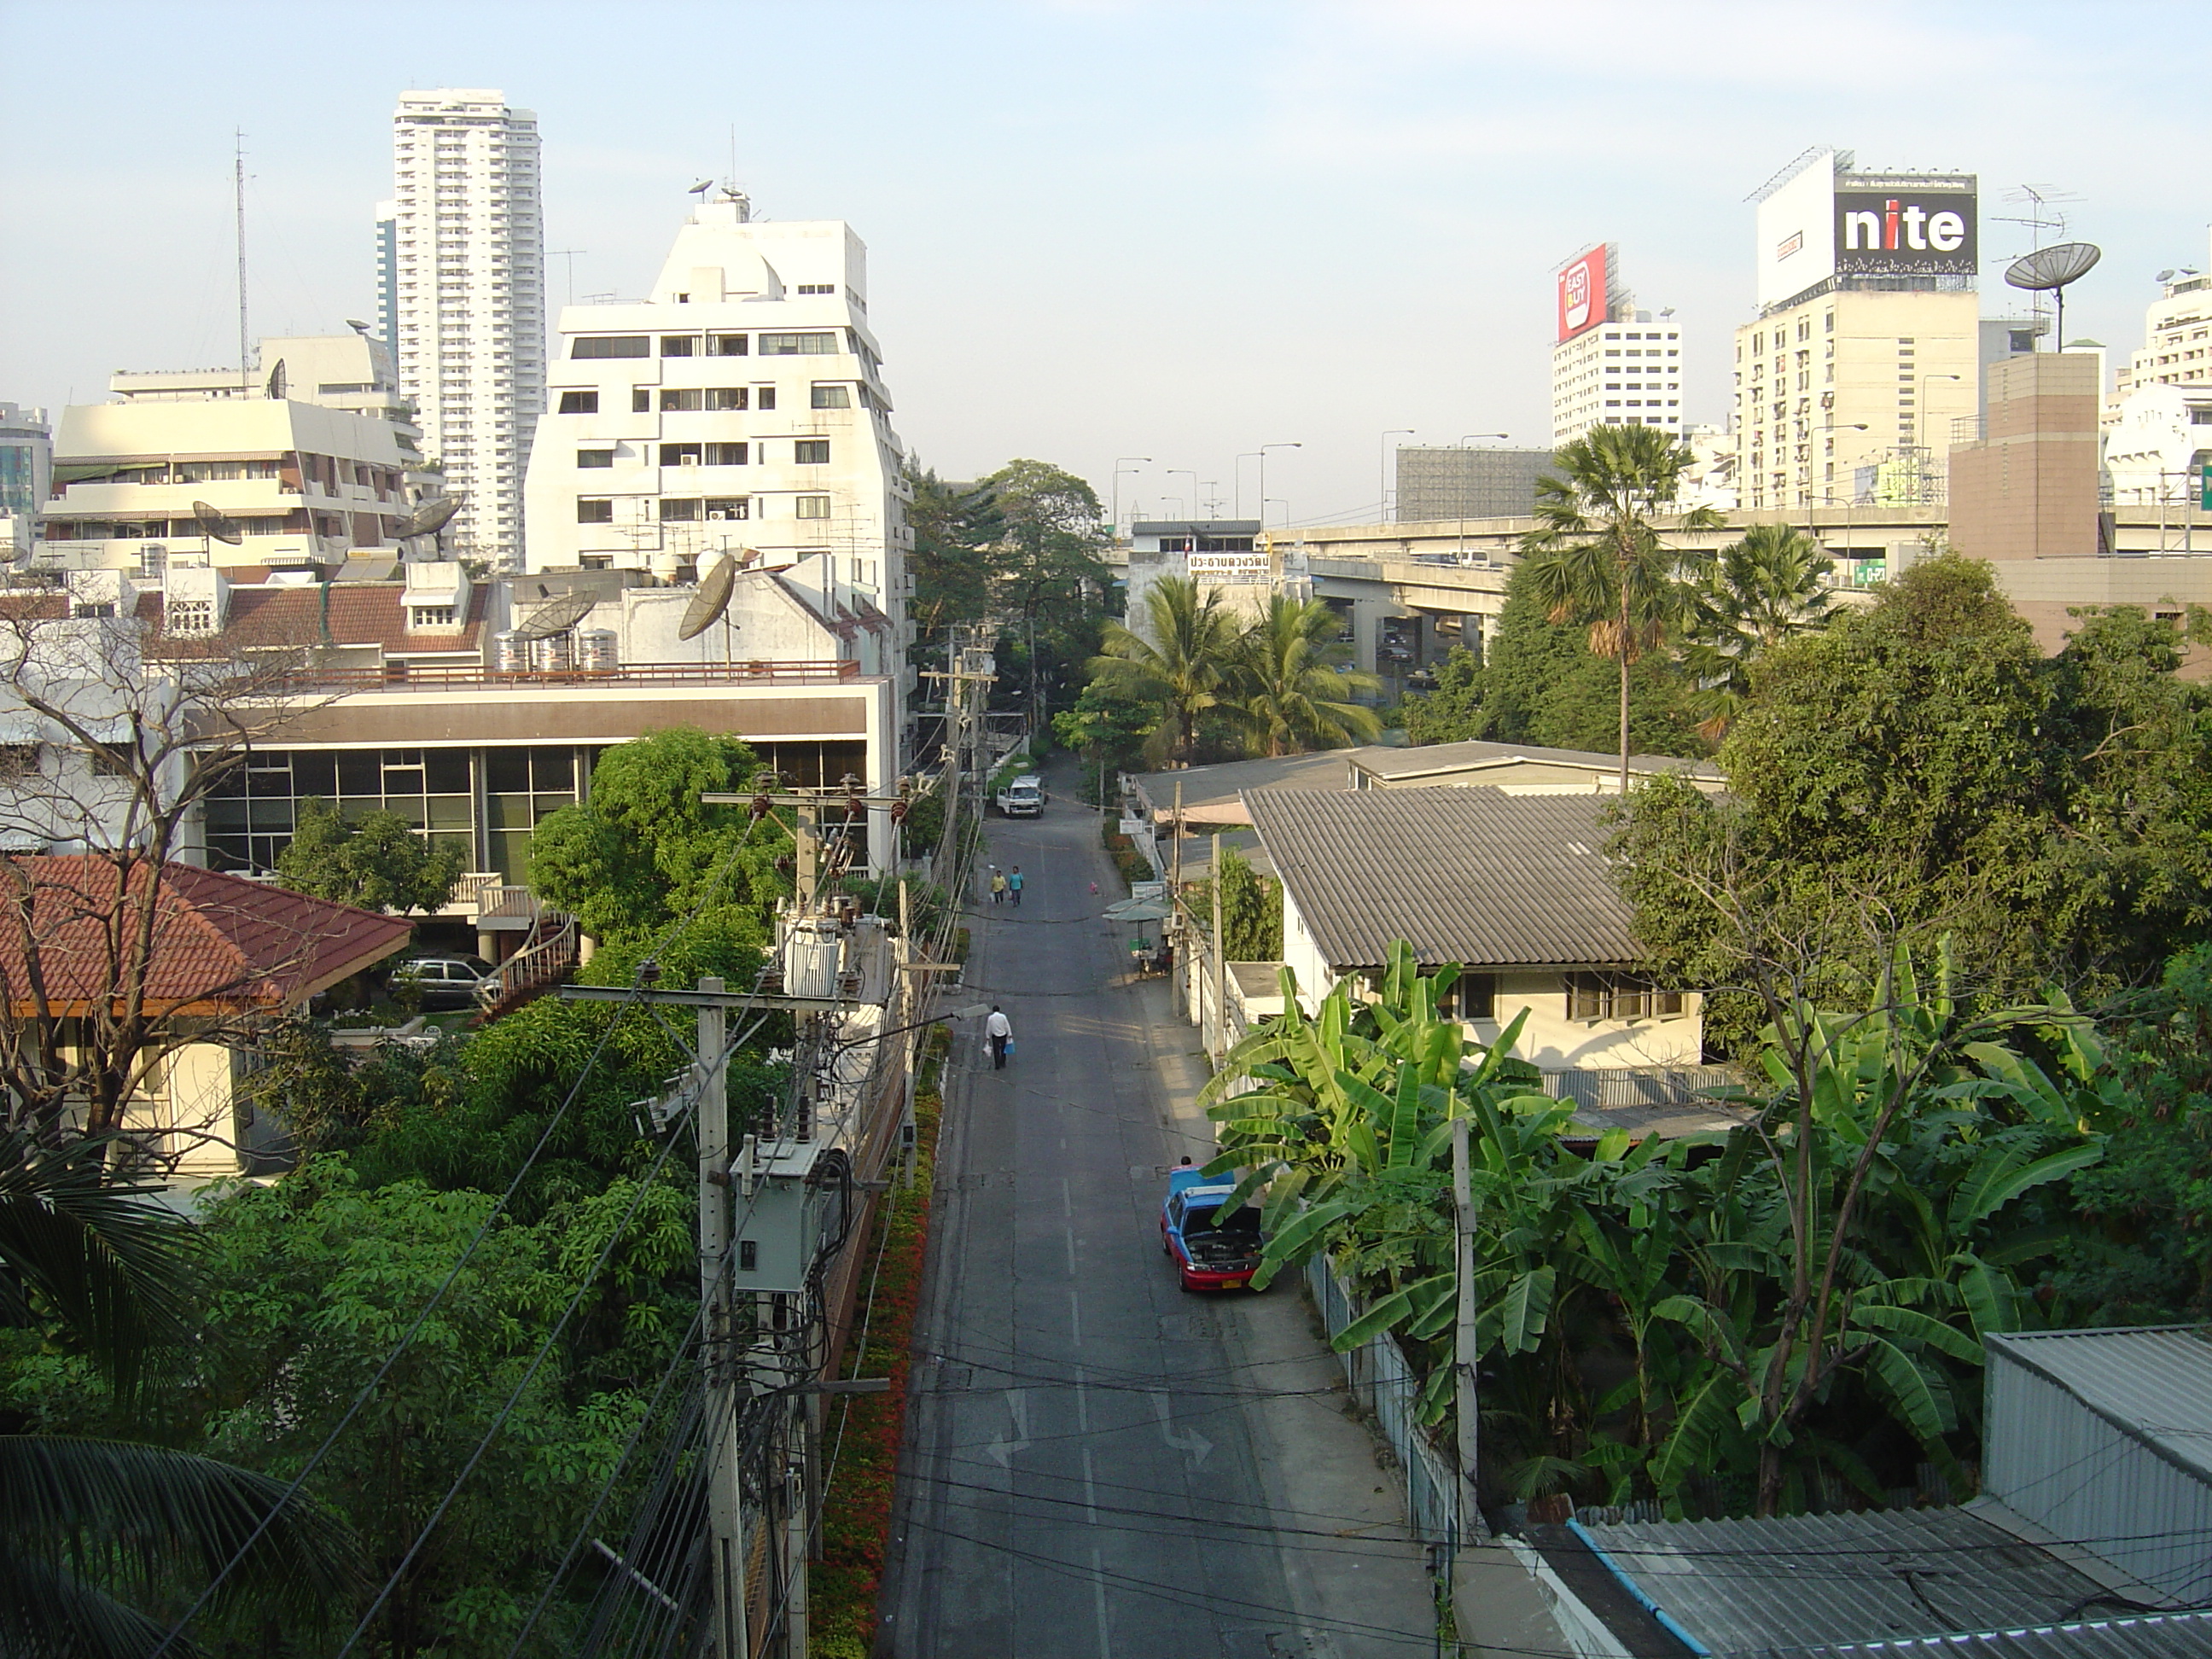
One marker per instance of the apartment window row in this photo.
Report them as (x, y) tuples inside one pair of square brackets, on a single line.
[(679, 400), (1618, 996), (690, 509), (812, 344)]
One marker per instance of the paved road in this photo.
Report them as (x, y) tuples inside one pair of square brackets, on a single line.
[(1097, 1463)]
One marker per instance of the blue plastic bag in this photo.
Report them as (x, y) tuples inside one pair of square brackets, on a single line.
[(1009, 1045)]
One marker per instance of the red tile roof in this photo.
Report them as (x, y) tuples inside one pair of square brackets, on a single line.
[(220, 943), (358, 613)]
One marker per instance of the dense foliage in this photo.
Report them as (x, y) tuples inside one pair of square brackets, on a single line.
[(377, 860), (1778, 1319)]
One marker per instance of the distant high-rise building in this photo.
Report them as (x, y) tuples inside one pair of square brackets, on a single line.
[(468, 299), (1612, 365), (388, 272), (26, 460)]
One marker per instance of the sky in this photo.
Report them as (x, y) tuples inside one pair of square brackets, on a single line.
[(1097, 229)]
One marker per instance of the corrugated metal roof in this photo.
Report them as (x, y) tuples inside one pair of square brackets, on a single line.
[(2142, 1636), (1425, 758), (1206, 788), (1472, 876), (2154, 1383), (1749, 1587)]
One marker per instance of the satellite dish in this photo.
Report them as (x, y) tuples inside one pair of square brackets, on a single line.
[(214, 522), (702, 187), (2051, 268), (277, 382), (2163, 277), (2054, 266), (428, 519), (557, 617), (712, 600)]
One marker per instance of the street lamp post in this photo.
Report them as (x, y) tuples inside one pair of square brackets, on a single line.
[(1191, 474), (1264, 448), (1118, 471), (1383, 472), (1828, 490), (1921, 409), (1266, 502)]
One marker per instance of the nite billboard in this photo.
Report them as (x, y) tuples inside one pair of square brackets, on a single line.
[(1582, 294), (1903, 231)]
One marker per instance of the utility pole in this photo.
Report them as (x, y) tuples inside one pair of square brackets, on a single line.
[(1220, 961), (245, 333), (724, 1517), (966, 665), (1464, 1345), (1180, 945)]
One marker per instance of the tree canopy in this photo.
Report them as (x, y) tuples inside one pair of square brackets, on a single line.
[(377, 860)]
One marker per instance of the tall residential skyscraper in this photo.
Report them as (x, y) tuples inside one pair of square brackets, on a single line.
[(468, 261)]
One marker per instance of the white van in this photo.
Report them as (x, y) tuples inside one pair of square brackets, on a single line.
[(1023, 798)]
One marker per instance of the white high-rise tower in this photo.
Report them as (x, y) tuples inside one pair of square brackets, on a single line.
[(469, 291)]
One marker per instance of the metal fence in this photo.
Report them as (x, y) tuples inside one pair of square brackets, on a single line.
[(1385, 1385), (1633, 1088)]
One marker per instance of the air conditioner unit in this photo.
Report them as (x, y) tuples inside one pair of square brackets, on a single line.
[(687, 460), (718, 515)]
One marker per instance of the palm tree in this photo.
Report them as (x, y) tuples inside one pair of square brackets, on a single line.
[(1181, 662), (1596, 555), (87, 1527), (1765, 589), (1290, 684)]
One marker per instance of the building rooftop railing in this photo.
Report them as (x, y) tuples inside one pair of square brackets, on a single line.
[(456, 677)]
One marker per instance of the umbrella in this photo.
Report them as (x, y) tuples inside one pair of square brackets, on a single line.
[(1137, 910)]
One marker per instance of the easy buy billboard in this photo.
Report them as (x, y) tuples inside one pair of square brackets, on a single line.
[(1581, 292)]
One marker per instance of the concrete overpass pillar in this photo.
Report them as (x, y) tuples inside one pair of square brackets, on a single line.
[(1367, 616)]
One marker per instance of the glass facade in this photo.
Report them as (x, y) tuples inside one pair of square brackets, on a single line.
[(486, 800)]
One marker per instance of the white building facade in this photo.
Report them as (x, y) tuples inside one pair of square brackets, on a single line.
[(740, 409), (1627, 373), (468, 299)]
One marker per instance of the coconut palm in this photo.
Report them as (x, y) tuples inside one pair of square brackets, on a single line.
[(90, 1527), (1290, 685), (1596, 555), (1179, 662), (1761, 591)]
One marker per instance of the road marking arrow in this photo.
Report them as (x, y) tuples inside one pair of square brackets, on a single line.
[(1189, 1440), (1003, 1449)]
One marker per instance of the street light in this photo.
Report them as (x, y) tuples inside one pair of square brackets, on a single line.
[(1464, 440), (1238, 464), (1920, 419), (1383, 472), (1118, 471), (1264, 448), (1827, 489), (1187, 473), (1276, 501)]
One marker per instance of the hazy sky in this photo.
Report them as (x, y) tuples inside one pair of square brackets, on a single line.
[(1095, 229)]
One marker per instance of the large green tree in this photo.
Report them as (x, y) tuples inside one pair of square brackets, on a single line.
[(1290, 684), (1597, 556), (1766, 589), (1180, 664), (377, 860), (955, 531), (644, 848), (1049, 576), (1919, 770)]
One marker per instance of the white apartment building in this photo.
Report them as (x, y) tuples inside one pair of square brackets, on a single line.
[(26, 470), (468, 287), (740, 409), (1623, 372)]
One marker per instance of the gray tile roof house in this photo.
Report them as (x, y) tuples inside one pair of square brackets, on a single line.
[(1516, 765), (1472, 876)]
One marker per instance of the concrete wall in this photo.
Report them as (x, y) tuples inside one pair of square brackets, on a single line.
[(2028, 490)]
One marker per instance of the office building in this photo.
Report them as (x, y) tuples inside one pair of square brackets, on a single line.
[(1864, 362), (1612, 364), (739, 410), (2176, 348), (310, 457), (1436, 482), (26, 472), (469, 300)]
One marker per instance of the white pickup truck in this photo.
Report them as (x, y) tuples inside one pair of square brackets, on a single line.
[(1022, 797)]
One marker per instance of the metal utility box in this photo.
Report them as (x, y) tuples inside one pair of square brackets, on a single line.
[(777, 1230)]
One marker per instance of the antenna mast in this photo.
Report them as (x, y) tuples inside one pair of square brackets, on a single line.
[(238, 171)]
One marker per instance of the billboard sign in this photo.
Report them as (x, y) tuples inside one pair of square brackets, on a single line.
[(1583, 294), (1249, 567), (1904, 227), (1795, 229)]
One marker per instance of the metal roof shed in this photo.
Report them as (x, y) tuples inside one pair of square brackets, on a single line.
[(2104, 1439)]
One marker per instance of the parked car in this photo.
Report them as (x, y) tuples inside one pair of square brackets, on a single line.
[(1023, 798), (1208, 1257), (449, 981)]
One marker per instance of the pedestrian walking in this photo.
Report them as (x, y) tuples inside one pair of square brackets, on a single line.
[(1014, 886), (1094, 890), (1000, 1031), (998, 885)]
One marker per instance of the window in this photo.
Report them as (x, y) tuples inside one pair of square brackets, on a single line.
[(595, 561), (688, 398), (1473, 996), (679, 512), (729, 506), (764, 398), (725, 345), (817, 288), (799, 345), (613, 345), (680, 455), (811, 452), (727, 397), (595, 512), (812, 507), (595, 458), (429, 615), (640, 400), (833, 397), (728, 454), (679, 345), (1618, 996)]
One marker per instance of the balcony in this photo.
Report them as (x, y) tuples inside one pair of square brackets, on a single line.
[(320, 680)]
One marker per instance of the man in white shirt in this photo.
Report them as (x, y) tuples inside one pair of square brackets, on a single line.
[(1000, 1031)]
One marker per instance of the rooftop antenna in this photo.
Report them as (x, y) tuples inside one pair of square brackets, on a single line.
[(238, 182), (569, 254)]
